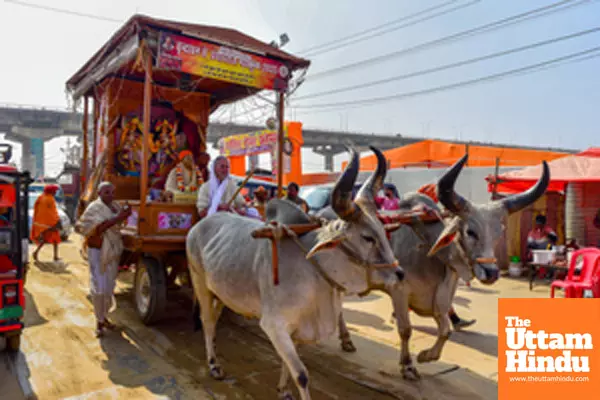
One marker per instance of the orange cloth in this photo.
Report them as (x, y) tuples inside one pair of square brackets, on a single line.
[(45, 216), (184, 153), (429, 190)]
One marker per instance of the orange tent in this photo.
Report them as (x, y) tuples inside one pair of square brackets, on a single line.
[(582, 167), (438, 154)]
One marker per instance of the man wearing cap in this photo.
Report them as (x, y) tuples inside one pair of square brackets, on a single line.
[(46, 221), (185, 177)]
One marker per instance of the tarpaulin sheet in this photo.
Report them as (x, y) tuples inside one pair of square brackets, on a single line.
[(582, 167)]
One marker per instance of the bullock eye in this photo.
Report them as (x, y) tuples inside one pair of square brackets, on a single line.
[(368, 239), (472, 234)]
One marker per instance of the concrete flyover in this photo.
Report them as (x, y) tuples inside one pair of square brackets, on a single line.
[(24, 123)]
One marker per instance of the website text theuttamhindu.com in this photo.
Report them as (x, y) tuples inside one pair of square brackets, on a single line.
[(530, 378)]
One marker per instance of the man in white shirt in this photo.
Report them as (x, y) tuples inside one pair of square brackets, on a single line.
[(214, 195)]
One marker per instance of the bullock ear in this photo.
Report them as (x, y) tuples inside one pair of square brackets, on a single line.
[(446, 237), (327, 244)]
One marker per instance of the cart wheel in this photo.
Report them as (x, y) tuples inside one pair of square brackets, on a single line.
[(150, 290), (13, 343)]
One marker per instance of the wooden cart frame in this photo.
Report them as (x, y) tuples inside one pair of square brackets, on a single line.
[(134, 68)]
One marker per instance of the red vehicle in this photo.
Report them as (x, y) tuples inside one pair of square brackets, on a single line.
[(14, 227)]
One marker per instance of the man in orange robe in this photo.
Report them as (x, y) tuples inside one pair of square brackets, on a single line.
[(46, 221)]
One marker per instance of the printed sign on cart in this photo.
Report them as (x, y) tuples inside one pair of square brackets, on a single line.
[(547, 348), (132, 220), (196, 57), (172, 220)]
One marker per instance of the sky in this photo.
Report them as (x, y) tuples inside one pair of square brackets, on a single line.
[(553, 107)]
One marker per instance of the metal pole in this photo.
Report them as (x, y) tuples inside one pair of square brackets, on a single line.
[(280, 139), (496, 173)]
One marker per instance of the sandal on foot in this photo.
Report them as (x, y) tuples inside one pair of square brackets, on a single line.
[(109, 325), (99, 332)]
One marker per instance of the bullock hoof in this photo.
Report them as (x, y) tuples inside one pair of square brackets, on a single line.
[(286, 395), (216, 372), (410, 373), (348, 346), (426, 356)]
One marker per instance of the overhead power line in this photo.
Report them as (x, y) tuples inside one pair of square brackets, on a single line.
[(515, 19), (448, 66), (62, 11), (456, 85), (338, 43)]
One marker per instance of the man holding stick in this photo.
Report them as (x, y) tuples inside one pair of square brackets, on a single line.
[(100, 225), (216, 194)]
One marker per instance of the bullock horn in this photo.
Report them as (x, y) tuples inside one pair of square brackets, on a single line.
[(366, 195), (519, 201), (341, 196), (453, 202)]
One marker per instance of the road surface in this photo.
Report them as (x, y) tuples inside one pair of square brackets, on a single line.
[(61, 359)]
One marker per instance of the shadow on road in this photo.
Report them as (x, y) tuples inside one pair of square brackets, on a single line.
[(358, 317), (32, 314), (483, 342), (53, 267)]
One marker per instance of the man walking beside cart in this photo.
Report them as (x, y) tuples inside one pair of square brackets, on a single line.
[(99, 224)]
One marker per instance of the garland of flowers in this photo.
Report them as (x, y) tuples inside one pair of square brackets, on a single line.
[(193, 187)]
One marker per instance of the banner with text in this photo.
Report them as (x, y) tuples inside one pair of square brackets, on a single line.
[(196, 57), (247, 144), (546, 348)]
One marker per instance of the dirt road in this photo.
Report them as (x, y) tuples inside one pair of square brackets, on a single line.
[(61, 358)]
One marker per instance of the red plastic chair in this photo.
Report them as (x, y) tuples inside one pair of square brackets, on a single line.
[(574, 285)]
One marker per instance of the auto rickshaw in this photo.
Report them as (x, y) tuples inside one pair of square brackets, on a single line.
[(14, 255)]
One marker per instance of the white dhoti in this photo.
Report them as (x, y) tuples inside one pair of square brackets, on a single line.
[(102, 284), (104, 262)]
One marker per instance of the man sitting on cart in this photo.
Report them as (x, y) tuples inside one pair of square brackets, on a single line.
[(215, 194), (185, 178)]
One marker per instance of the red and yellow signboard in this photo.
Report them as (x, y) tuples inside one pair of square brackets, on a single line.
[(247, 144), (196, 57)]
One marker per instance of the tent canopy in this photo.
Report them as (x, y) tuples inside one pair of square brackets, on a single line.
[(438, 154), (582, 167)]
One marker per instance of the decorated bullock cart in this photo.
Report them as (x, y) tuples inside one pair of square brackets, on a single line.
[(153, 86)]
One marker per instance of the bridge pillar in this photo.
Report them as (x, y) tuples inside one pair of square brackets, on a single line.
[(37, 152), (27, 159), (329, 161)]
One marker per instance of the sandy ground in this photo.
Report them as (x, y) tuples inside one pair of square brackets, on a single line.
[(61, 359)]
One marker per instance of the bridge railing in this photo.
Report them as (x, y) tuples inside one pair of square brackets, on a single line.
[(35, 107)]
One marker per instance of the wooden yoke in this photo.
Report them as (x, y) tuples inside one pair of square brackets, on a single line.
[(275, 231)]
